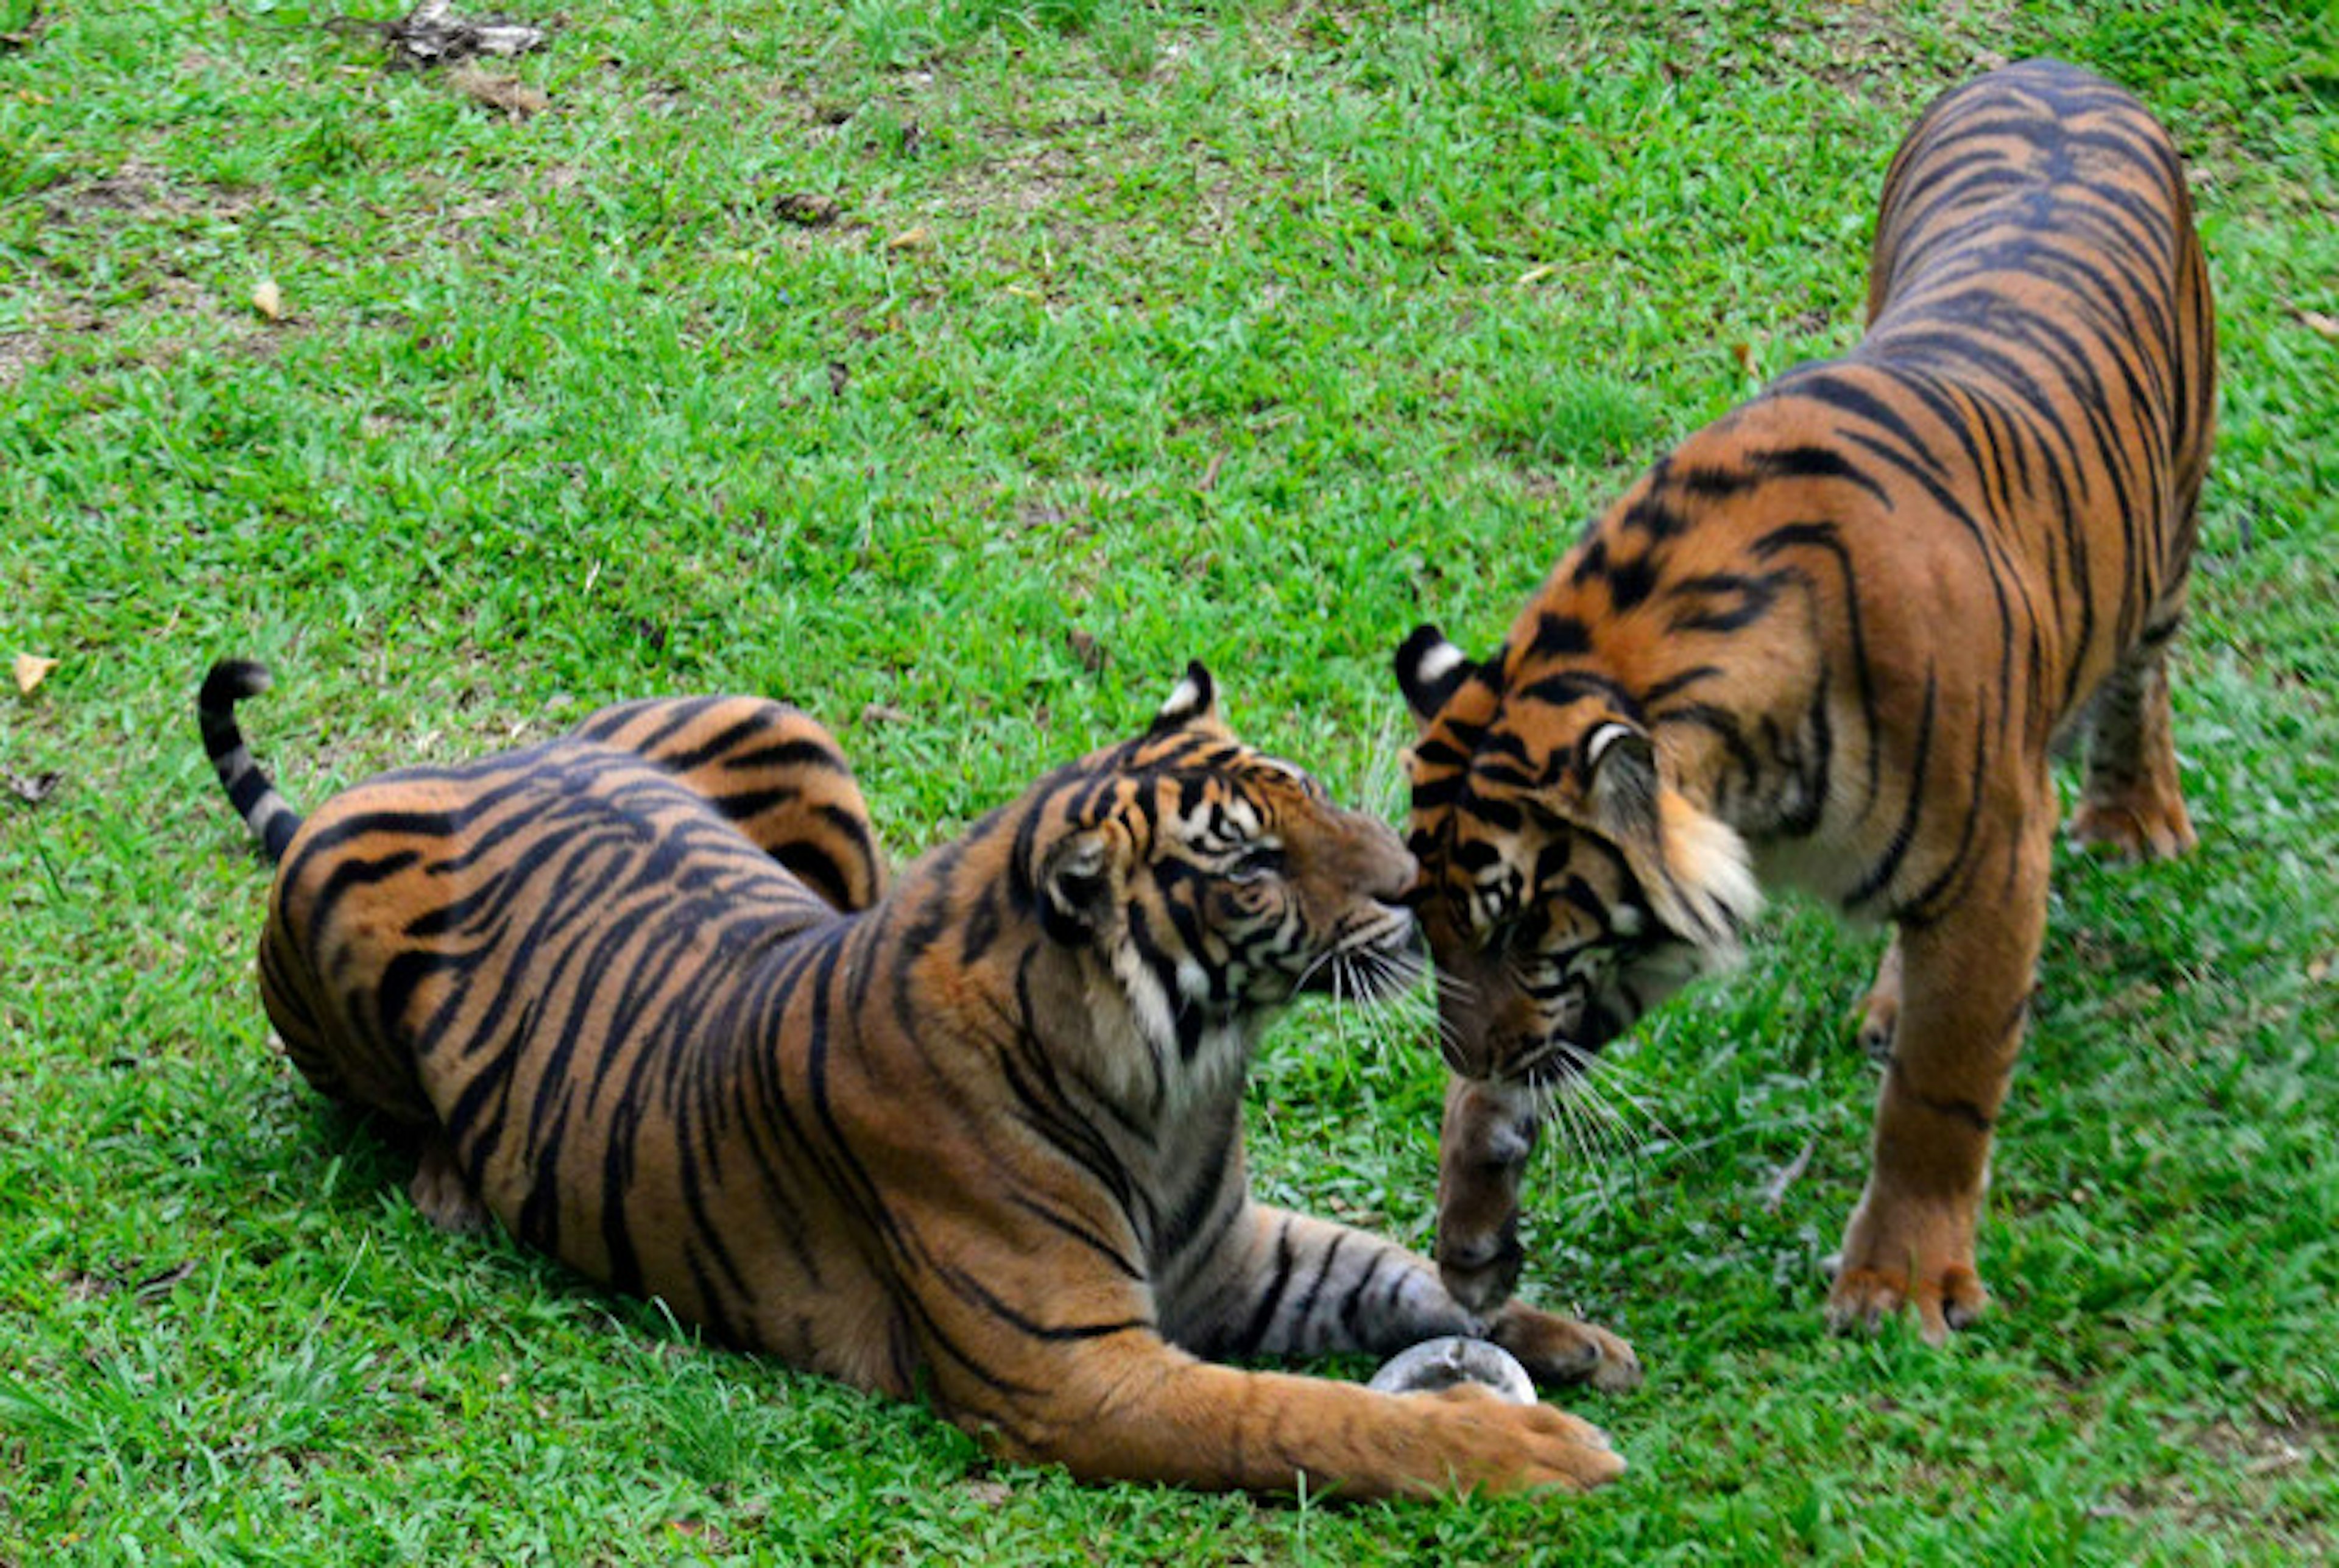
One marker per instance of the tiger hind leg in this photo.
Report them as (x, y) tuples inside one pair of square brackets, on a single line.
[(2132, 807), (773, 770), (1879, 1012), (441, 1191)]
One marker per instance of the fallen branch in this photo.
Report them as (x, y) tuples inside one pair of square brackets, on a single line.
[(1775, 1192), (429, 36)]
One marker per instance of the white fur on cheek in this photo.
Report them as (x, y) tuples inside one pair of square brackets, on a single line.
[(1711, 866), (1155, 1018)]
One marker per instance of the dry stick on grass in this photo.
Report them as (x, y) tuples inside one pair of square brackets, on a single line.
[(22, 37), (1775, 1192), (427, 36)]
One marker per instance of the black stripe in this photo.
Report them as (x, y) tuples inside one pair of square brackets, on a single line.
[(1278, 1280), (1881, 873), (1953, 1109), (795, 753)]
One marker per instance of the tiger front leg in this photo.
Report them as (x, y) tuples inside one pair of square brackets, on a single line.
[(1488, 1135), (1879, 1012), (1120, 1400), (1301, 1287), (1966, 985), (2132, 807), (1138, 1409), (1482, 1148)]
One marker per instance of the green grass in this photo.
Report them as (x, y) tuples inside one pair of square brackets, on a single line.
[(1218, 329)]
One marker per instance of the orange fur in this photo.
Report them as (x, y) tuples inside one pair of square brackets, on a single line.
[(1840, 626), (643, 995)]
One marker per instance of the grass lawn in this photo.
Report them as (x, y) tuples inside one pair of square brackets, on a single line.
[(958, 370)]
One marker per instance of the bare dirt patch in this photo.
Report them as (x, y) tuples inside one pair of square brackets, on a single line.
[(2256, 1455), (138, 190), (19, 352)]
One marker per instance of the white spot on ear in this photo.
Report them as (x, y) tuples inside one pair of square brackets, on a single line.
[(1194, 695), (1625, 920), (1436, 663), (1597, 743)]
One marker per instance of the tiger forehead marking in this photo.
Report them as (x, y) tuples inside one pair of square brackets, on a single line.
[(1205, 800), (1491, 824), (1217, 815)]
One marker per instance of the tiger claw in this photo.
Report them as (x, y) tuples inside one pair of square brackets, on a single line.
[(1561, 1350), (2131, 830), (1864, 1298)]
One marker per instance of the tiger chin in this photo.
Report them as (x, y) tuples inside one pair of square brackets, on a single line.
[(1826, 643), (644, 996)]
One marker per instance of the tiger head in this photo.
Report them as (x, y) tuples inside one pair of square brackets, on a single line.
[(1205, 883), (1566, 885)]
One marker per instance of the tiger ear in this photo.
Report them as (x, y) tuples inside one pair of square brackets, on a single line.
[(1620, 767), (1195, 697), (1428, 670), (1075, 885)]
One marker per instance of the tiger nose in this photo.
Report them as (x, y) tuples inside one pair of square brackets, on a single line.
[(1379, 864)]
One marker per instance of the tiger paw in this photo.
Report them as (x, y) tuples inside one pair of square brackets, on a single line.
[(1480, 1273), (1902, 1250), (1489, 1445), (1947, 1298), (1556, 1350), (2139, 825), (439, 1191)]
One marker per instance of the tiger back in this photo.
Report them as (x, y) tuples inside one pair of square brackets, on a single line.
[(1826, 642), (769, 773), (976, 1135)]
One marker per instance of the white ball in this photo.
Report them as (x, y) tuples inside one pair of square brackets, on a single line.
[(1436, 1364)]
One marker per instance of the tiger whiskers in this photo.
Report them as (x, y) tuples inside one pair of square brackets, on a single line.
[(1559, 1107), (1386, 783), (1591, 1108), (1405, 1003), (1372, 987), (1606, 1076), (1462, 988)]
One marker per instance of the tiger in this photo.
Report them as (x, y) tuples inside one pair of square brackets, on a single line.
[(645, 997), (1830, 642)]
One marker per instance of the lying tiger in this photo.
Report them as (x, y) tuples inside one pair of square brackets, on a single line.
[(641, 994), (1826, 643)]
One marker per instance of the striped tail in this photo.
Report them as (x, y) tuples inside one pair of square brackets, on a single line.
[(269, 815)]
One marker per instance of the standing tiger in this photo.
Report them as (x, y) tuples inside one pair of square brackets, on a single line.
[(1826, 642), (641, 994)]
